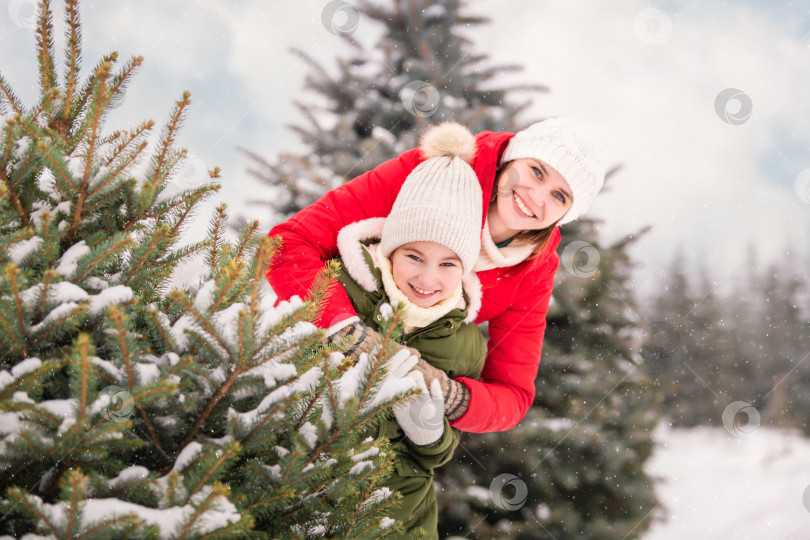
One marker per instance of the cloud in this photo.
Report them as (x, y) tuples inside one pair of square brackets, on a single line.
[(702, 183)]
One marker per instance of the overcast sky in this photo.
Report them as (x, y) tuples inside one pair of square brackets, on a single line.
[(706, 107)]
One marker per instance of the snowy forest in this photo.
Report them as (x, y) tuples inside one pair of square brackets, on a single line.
[(137, 405)]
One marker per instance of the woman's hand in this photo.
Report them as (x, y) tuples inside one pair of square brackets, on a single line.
[(456, 394)]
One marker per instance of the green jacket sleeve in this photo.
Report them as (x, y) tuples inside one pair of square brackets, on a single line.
[(436, 454), (460, 354)]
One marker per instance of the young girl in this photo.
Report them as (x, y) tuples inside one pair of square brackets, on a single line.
[(421, 257), (532, 182)]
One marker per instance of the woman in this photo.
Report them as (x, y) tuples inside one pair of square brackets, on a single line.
[(532, 182)]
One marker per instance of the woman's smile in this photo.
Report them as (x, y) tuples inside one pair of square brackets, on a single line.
[(522, 206)]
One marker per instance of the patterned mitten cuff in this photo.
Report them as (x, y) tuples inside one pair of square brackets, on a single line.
[(362, 337), (456, 394), (456, 400)]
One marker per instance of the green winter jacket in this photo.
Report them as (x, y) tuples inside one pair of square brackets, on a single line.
[(452, 343)]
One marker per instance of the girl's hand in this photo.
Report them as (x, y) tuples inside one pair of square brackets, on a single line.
[(422, 417)]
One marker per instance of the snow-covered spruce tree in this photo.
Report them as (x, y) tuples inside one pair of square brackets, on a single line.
[(423, 70), (131, 410)]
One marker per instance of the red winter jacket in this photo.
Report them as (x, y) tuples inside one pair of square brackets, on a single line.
[(515, 299)]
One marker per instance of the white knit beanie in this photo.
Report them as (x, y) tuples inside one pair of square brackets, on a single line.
[(441, 200), (572, 149)]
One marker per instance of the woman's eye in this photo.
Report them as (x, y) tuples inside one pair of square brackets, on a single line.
[(537, 172), (560, 197), (449, 264), (415, 258)]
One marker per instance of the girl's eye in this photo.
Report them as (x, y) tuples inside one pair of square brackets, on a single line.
[(449, 264), (415, 258), (537, 172), (560, 197)]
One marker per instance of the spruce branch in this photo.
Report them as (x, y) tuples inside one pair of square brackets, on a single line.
[(167, 139), (11, 193), (21, 498), (246, 237), (230, 276), (82, 372), (12, 238), (223, 456), (113, 174), (216, 242), (77, 485), (91, 265), (219, 490), (220, 393), (183, 300), (80, 103), (45, 48), (7, 93), (94, 116), (132, 136), (58, 166), (155, 244), (12, 272), (49, 276), (159, 210), (120, 81), (73, 58), (263, 257), (68, 319), (46, 101)]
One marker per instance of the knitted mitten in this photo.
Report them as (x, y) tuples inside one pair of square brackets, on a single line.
[(364, 338), (456, 394), (422, 417)]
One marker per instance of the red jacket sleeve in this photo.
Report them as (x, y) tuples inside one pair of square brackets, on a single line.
[(506, 390), (309, 238)]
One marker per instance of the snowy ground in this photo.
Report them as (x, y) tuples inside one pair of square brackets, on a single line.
[(716, 486)]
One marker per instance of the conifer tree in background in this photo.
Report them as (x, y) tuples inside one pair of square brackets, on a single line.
[(423, 70), (130, 410), (749, 343), (580, 452)]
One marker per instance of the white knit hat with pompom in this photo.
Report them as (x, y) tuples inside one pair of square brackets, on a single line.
[(572, 148), (441, 200)]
